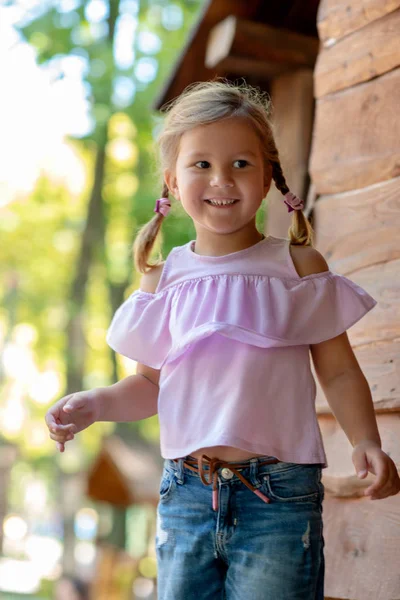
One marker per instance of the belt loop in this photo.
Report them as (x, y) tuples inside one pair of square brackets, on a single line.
[(179, 471), (254, 472)]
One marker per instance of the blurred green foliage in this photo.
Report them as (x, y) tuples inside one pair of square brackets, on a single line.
[(41, 231)]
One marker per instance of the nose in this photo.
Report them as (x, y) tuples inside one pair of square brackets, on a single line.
[(221, 179)]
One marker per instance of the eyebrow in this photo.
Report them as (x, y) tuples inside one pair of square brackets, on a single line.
[(196, 153)]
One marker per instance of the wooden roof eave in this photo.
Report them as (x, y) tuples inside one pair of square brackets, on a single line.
[(249, 48), (192, 65), (135, 469)]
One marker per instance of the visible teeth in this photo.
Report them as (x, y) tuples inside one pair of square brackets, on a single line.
[(221, 202)]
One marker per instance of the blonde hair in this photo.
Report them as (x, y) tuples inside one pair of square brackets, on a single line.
[(206, 102)]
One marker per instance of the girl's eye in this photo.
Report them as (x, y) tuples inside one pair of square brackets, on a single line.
[(241, 163), (202, 164)]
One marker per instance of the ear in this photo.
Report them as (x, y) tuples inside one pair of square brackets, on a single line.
[(172, 183)]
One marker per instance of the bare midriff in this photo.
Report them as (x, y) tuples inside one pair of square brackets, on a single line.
[(227, 453)]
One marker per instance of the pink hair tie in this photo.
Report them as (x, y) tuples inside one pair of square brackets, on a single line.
[(163, 206), (293, 202)]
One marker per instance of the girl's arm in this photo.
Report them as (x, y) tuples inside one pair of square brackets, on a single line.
[(131, 399), (349, 396), (345, 387), (135, 397)]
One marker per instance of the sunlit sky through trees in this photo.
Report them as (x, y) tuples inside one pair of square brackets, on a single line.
[(40, 105)]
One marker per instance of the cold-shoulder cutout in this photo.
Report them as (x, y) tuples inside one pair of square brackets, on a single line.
[(307, 260)]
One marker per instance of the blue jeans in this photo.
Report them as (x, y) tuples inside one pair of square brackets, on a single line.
[(247, 549)]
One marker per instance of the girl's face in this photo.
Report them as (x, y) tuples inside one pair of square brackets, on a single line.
[(220, 177)]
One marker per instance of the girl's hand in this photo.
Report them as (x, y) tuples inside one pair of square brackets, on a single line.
[(72, 414), (368, 456)]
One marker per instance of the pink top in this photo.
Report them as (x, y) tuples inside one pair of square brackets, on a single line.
[(231, 336)]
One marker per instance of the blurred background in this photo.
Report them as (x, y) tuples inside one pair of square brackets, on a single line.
[(82, 84), (77, 178)]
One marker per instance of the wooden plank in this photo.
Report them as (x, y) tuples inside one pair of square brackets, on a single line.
[(380, 364), (340, 478), (364, 54), (362, 548), (368, 226), (235, 38), (383, 321), (337, 18), (292, 97), (248, 67), (357, 136)]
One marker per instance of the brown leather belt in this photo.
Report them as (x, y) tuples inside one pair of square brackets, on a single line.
[(197, 465)]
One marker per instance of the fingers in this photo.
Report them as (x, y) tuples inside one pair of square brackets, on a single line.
[(390, 488), (57, 420), (72, 404), (50, 419), (65, 437), (59, 429), (53, 415), (379, 465), (62, 433), (385, 485)]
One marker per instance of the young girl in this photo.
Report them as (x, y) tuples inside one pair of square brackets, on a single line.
[(222, 332)]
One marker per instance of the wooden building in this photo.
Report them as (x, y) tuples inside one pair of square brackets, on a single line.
[(123, 475), (332, 69)]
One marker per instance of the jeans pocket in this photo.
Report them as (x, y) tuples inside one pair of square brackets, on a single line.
[(301, 484), (166, 484)]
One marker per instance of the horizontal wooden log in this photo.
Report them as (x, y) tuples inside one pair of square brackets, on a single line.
[(356, 138), (366, 226), (362, 548), (234, 40), (380, 364), (337, 18), (366, 53), (382, 323), (340, 478)]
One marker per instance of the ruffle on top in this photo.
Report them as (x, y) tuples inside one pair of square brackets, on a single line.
[(267, 312)]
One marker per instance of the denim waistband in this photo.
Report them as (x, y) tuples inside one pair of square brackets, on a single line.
[(213, 466)]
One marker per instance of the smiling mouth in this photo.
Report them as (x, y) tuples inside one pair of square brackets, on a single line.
[(221, 202)]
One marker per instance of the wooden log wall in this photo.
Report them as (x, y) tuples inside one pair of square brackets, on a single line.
[(293, 102), (355, 171)]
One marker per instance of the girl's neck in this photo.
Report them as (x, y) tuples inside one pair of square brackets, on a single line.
[(214, 244)]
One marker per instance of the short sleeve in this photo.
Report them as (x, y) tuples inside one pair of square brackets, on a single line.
[(268, 312), (317, 307), (139, 329)]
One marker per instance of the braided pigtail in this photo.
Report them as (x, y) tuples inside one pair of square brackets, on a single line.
[(146, 238), (300, 232)]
